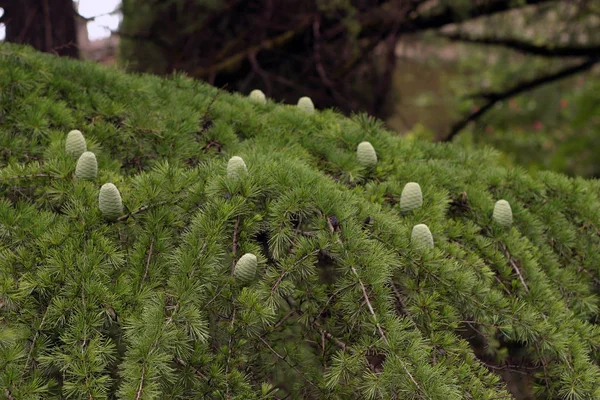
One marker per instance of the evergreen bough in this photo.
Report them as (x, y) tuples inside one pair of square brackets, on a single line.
[(258, 97), (87, 166), (75, 144), (305, 104), (366, 154), (411, 197), (109, 201), (342, 309)]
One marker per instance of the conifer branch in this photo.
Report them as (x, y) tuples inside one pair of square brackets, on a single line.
[(8, 394), (138, 394), (234, 246), (140, 210), (514, 266), (205, 121), (284, 359), (183, 364), (371, 310), (40, 175), (332, 338), (147, 263), (37, 333), (380, 330), (404, 310), (229, 355)]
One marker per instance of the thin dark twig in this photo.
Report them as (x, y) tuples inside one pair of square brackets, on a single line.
[(495, 97), (234, 246), (515, 267), (284, 359), (41, 175), (526, 47), (147, 262)]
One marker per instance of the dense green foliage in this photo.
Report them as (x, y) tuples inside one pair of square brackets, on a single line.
[(341, 305)]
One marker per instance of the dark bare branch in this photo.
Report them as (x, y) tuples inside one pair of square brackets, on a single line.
[(528, 48), (494, 97)]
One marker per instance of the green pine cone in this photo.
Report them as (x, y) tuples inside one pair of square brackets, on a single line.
[(245, 268), (236, 167), (306, 105), (87, 166), (110, 202), (75, 143), (411, 197), (366, 154), (503, 213), (257, 96), (421, 237)]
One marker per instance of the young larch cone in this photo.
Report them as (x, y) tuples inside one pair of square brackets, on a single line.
[(109, 201), (75, 143), (87, 166), (245, 268), (236, 167), (306, 105), (421, 237), (258, 97), (366, 154), (503, 213), (411, 197)]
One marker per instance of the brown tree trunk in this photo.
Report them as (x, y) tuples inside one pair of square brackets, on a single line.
[(47, 25)]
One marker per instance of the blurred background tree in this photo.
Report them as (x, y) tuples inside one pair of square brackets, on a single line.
[(47, 25), (520, 75), (498, 69)]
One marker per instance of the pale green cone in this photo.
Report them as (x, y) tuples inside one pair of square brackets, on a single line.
[(75, 143), (503, 213), (236, 167), (306, 105), (421, 237), (258, 97), (366, 154), (245, 268), (411, 197), (87, 166), (109, 201)]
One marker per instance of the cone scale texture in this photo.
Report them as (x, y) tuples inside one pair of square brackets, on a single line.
[(75, 143), (258, 97), (503, 213), (366, 154), (421, 237), (411, 197), (306, 105), (245, 268), (87, 166), (236, 167), (109, 201)]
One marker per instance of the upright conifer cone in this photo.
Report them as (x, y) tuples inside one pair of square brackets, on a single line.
[(366, 154), (109, 201), (245, 268), (306, 105), (503, 213), (421, 237), (236, 167), (411, 197), (87, 166), (75, 143), (257, 96)]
